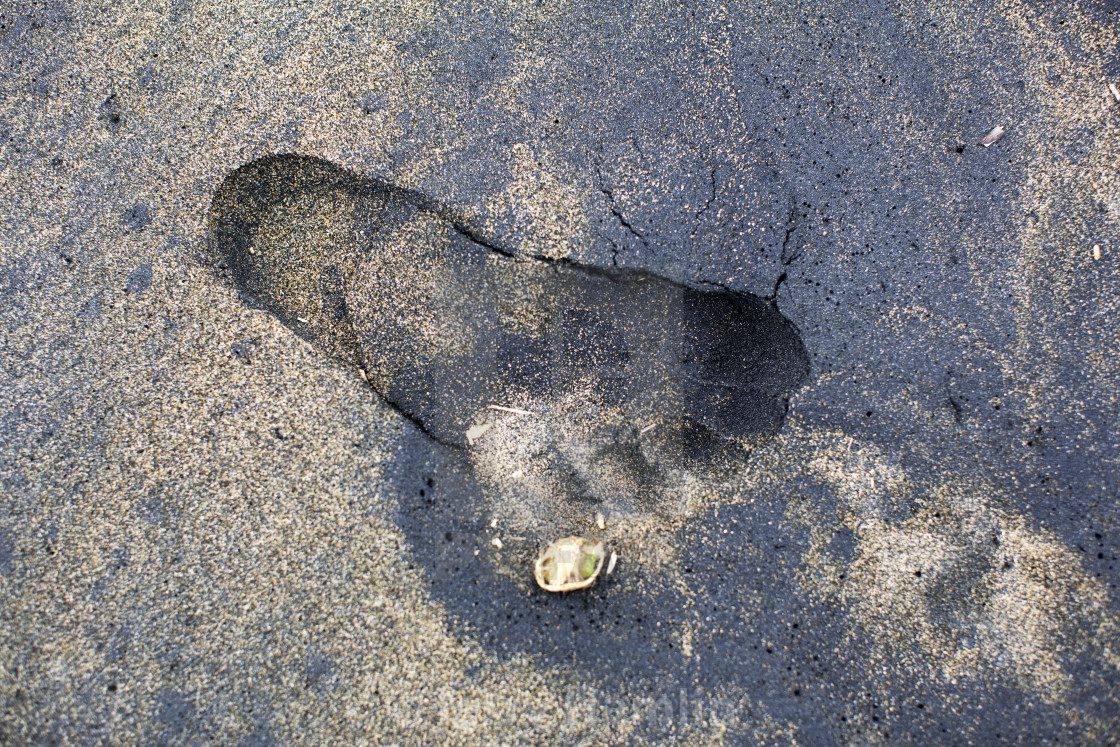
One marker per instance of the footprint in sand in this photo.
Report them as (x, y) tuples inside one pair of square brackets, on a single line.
[(561, 391)]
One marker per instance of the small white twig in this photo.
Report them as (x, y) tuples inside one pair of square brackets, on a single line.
[(648, 428), (514, 410)]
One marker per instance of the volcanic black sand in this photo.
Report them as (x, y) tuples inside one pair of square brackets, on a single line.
[(319, 322)]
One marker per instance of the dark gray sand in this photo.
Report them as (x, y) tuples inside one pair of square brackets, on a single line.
[(252, 490)]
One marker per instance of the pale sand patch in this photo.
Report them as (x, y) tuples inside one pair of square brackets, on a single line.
[(977, 589), (549, 474)]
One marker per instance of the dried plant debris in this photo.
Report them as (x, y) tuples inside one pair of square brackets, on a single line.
[(511, 410)]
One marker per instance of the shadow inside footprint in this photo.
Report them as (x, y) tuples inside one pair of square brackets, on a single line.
[(630, 379), (443, 324)]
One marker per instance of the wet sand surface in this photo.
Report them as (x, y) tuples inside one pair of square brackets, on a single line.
[(878, 500)]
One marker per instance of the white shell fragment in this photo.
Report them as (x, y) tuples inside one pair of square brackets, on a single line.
[(993, 136), (1115, 92), (496, 542), (476, 432), (610, 565), (568, 564), (600, 521)]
